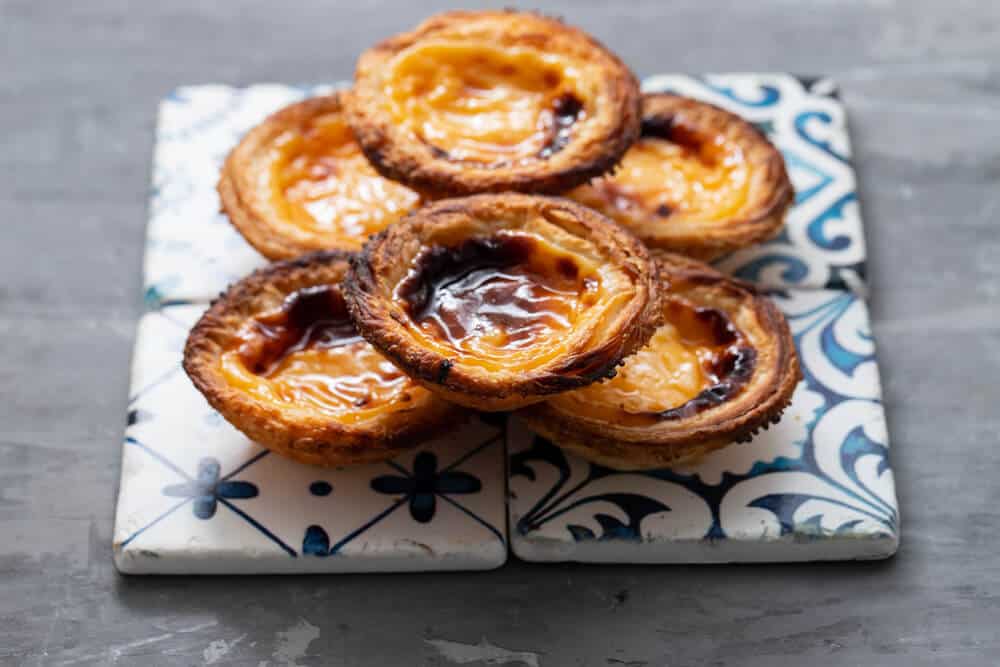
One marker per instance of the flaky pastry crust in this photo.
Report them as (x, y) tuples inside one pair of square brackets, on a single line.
[(305, 435), (266, 221), (599, 111), (609, 434), (620, 319), (763, 188)]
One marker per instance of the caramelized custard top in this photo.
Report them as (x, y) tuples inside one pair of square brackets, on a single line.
[(322, 183), (482, 105), (673, 172), (307, 354), (496, 297), (697, 359)]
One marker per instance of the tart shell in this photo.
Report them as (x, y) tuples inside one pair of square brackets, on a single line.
[(313, 439), (597, 146), (246, 201), (770, 192), (664, 444), (370, 286)]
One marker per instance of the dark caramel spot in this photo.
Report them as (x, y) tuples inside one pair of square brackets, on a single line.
[(722, 330), (664, 211), (314, 317), (444, 370), (675, 130), (567, 267), (439, 153), (736, 366), (566, 111), (728, 360), (657, 127), (492, 286), (441, 266)]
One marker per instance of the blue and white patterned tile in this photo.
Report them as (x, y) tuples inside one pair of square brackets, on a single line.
[(198, 497), (817, 486), (193, 253)]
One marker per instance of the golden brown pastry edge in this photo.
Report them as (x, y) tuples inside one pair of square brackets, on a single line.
[(381, 324), (671, 443), (316, 440), (398, 157)]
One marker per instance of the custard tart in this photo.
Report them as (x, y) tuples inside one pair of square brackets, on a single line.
[(700, 181), (499, 301), (278, 357), (298, 182), (492, 101), (721, 365)]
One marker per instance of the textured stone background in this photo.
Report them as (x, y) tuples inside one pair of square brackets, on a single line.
[(78, 94)]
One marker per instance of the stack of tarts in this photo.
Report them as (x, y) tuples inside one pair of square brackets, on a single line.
[(427, 270)]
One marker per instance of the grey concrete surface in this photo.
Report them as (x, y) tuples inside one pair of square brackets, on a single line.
[(78, 87)]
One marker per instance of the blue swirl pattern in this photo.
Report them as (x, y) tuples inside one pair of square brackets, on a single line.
[(821, 477), (830, 481)]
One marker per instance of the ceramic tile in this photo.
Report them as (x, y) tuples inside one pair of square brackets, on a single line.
[(816, 486), (193, 253), (198, 497)]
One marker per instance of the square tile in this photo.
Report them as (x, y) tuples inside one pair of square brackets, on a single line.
[(193, 252), (197, 497), (816, 486)]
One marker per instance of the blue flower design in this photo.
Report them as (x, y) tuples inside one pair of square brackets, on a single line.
[(206, 489), (419, 489), (424, 484)]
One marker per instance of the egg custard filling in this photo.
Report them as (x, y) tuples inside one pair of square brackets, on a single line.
[(697, 359), (506, 301), (720, 366), (674, 172), (472, 102), (321, 183), (307, 356), (478, 104)]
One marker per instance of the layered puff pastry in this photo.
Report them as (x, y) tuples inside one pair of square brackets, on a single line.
[(700, 181), (279, 358), (499, 301), (298, 182), (491, 101), (721, 365)]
